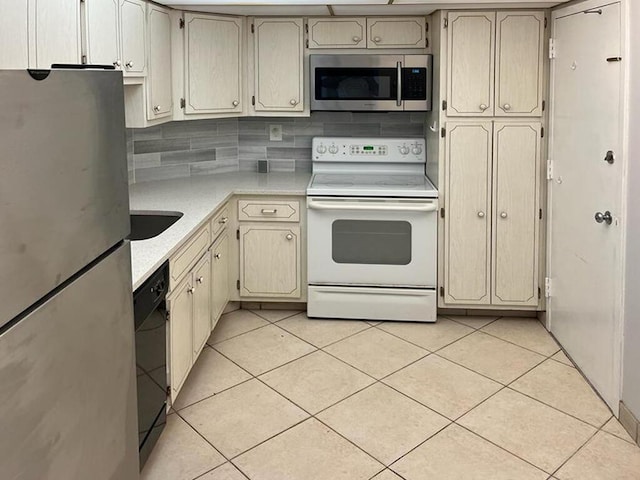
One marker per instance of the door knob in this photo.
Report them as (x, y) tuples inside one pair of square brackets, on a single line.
[(289, 236), (377, 39), (191, 290), (293, 102), (507, 106), (604, 217), (129, 64), (235, 103), (117, 63), (356, 39), (481, 214), (200, 279), (223, 220), (156, 108), (503, 215), (218, 256), (483, 107)]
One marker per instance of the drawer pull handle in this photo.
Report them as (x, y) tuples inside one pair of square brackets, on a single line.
[(270, 211), (223, 220)]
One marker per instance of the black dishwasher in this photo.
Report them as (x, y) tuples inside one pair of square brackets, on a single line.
[(150, 313)]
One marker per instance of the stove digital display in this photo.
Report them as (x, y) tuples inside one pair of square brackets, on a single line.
[(367, 147)]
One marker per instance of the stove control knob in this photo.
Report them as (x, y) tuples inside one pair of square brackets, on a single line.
[(416, 150), (333, 149), (404, 150), (321, 149)]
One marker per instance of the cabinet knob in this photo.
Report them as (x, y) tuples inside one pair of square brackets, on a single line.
[(117, 63), (235, 103), (156, 108), (377, 39), (289, 236), (129, 64), (506, 106), (270, 211), (191, 290), (218, 256), (356, 39), (483, 107), (200, 279), (503, 215), (223, 220), (293, 102), (481, 214)]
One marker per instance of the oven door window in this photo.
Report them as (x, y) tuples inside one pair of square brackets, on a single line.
[(371, 242), (356, 83)]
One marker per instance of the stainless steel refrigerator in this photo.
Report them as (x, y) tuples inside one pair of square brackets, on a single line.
[(67, 371)]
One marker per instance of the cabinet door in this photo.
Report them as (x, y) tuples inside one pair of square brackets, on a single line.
[(102, 32), (201, 303), (516, 223), (159, 104), (220, 269), (403, 32), (180, 335), (57, 35), (471, 58), (14, 35), (337, 33), (213, 64), (519, 60), (133, 31), (467, 222), (279, 65), (270, 261)]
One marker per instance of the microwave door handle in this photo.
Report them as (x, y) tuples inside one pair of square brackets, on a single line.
[(380, 207), (399, 90)]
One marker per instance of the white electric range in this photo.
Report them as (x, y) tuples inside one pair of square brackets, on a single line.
[(372, 230)]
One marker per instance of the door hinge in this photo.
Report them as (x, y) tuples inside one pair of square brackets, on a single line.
[(446, 22), (253, 100), (442, 291), (306, 28), (549, 169), (253, 28), (541, 132), (545, 22), (183, 103), (544, 105), (539, 293), (540, 214), (181, 23), (237, 284), (168, 315), (547, 287), (552, 49), (443, 132), (442, 212), (168, 390), (614, 59), (84, 59), (307, 43), (444, 104), (238, 234)]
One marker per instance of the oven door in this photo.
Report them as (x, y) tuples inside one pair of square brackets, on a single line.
[(372, 241)]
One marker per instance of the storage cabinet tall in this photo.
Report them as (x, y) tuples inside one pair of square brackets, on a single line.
[(159, 94)]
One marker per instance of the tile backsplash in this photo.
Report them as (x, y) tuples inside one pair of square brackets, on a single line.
[(201, 147)]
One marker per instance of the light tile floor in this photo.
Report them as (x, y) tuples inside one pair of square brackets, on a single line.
[(277, 396)]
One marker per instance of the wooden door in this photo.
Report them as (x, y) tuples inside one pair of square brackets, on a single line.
[(102, 33), (14, 35), (201, 303), (519, 63), (133, 31), (57, 32), (471, 57), (467, 221), (279, 64), (336, 32), (159, 82), (220, 283), (213, 64), (270, 261), (401, 32), (516, 208), (180, 304)]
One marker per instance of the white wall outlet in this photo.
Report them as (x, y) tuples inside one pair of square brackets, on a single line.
[(275, 133)]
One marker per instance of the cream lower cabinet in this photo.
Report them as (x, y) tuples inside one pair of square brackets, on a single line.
[(201, 303), (337, 32), (220, 277), (490, 251), (180, 305), (278, 64)]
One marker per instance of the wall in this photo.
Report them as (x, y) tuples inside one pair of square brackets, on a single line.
[(201, 147), (631, 347)]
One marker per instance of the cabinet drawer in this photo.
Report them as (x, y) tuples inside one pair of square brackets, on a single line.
[(220, 220), (281, 211), (188, 255)]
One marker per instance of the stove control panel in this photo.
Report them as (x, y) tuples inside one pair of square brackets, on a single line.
[(400, 150)]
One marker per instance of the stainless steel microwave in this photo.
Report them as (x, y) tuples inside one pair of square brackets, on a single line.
[(383, 83)]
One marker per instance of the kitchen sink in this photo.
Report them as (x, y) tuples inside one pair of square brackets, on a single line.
[(149, 224)]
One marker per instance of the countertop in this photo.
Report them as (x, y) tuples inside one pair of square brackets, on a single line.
[(197, 198)]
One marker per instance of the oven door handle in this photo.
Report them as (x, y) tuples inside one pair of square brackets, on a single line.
[(377, 207), (399, 91)]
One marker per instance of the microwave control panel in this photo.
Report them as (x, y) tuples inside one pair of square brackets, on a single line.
[(414, 83)]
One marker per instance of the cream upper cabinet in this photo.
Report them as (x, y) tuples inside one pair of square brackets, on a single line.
[(279, 64), (471, 56), (337, 32), (102, 32), (516, 203), (57, 32), (201, 303), (270, 260), (180, 304), (14, 34), (519, 60), (467, 222), (159, 95), (213, 64), (220, 272), (133, 31), (396, 32)]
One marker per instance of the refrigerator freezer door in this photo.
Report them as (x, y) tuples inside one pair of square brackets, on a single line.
[(63, 179), (68, 382)]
